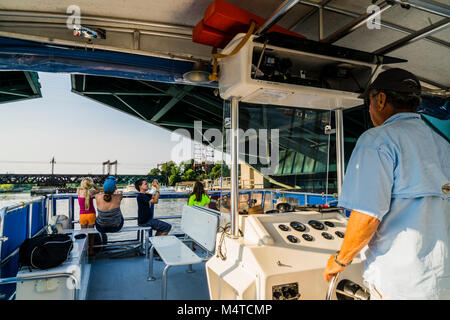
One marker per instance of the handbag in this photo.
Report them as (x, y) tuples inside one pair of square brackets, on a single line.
[(45, 251)]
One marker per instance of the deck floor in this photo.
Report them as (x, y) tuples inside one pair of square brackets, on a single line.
[(126, 279)]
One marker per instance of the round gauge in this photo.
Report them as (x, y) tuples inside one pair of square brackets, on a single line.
[(329, 224), (307, 237), (316, 224), (327, 236), (292, 238), (340, 234), (283, 227), (298, 226)]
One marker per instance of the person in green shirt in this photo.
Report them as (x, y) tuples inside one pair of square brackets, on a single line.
[(198, 197)]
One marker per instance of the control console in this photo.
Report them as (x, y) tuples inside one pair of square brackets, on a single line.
[(302, 231), (280, 256)]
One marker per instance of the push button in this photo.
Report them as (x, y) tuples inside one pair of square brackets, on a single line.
[(340, 234), (316, 224), (327, 236), (298, 226), (292, 238)]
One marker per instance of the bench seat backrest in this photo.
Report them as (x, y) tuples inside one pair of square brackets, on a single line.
[(201, 224)]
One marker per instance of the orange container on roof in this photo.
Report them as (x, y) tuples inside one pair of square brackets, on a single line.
[(223, 18), (209, 36)]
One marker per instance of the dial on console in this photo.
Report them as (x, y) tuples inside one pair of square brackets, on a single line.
[(298, 226), (316, 224), (327, 236), (329, 224), (340, 234)]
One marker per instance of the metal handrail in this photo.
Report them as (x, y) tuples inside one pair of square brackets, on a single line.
[(23, 204), (50, 212), (56, 275)]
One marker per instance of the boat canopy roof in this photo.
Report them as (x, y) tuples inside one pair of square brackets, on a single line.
[(147, 47), (414, 30)]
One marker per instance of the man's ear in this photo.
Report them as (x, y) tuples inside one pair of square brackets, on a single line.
[(381, 100)]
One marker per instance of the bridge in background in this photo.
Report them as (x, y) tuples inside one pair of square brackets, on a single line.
[(57, 180)]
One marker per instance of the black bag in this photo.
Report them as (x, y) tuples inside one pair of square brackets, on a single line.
[(45, 251)]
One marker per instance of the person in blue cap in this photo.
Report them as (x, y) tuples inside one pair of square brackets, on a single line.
[(109, 218), (395, 185)]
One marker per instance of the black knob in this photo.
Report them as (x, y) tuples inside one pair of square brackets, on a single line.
[(277, 295), (327, 236), (340, 234), (283, 227), (316, 224), (307, 237), (292, 292), (298, 226), (329, 224), (292, 239)]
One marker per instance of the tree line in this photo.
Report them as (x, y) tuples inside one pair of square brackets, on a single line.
[(189, 171)]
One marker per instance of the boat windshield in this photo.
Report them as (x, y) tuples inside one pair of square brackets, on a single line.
[(284, 148)]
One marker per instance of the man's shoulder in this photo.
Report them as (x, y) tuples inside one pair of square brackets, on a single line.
[(371, 137), (144, 196), (386, 133)]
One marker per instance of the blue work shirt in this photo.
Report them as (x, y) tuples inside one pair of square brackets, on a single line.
[(395, 174)]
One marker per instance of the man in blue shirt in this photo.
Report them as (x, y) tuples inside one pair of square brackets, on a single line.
[(395, 185), (145, 203)]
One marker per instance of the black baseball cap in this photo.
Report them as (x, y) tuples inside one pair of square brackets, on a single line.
[(396, 80)]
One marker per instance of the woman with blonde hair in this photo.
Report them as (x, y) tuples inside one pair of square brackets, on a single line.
[(86, 193)]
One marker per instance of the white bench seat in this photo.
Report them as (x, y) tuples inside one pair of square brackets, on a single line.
[(200, 225), (173, 251)]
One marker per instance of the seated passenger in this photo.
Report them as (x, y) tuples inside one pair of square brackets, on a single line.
[(86, 193), (146, 202), (198, 197), (109, 218)]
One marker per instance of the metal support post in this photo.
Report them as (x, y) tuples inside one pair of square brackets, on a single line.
[(234, 167), (340, 160)]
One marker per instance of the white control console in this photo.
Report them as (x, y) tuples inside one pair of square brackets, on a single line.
[(280, 256)]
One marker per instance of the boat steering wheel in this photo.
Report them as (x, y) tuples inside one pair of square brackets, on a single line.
[(332, 286)]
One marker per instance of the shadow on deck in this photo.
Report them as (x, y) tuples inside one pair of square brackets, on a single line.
[(126, 279)]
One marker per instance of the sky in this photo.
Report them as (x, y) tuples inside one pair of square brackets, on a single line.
[(79, 133)]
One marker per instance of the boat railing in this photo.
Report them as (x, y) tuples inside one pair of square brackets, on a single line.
[(26, 219), (71, 197), (34, 214), (18, 222), (268, 198), (273, 195)]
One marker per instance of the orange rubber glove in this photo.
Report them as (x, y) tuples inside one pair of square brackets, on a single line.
[(360, 229)]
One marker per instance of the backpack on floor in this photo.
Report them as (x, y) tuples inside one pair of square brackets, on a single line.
[(45, 251)]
